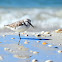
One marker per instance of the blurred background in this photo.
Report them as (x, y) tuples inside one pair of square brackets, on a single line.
[(45, 14)]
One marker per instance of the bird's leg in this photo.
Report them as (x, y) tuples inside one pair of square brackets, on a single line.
[(20, 38), (19, 35)]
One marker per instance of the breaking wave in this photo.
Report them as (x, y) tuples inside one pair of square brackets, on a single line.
[(45, 18)]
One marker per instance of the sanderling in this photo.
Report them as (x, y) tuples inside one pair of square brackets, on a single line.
[(20, 26)]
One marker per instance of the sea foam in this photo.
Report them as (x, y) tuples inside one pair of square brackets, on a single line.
[(41, 18)]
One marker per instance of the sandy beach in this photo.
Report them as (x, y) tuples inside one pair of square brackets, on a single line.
[(32, 47), (42, 42)]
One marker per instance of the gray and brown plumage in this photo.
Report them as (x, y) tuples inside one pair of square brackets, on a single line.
[(20, 26)]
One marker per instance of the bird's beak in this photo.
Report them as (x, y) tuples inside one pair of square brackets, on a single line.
[(31, 24)]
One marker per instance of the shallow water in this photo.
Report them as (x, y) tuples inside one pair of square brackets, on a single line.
[(30, 3), (45, 52)]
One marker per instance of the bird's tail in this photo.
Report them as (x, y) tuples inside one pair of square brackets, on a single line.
[(6, 26)]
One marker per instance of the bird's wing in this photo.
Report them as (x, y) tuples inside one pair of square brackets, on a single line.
[(14, 25)]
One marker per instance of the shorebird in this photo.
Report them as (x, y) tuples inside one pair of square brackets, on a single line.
[(20, 26)]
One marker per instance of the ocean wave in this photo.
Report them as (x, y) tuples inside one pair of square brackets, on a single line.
[(45, 18)]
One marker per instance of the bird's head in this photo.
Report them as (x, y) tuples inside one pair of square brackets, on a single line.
[(28, 21)]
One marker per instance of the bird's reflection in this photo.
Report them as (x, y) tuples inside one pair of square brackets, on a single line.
[(19, 41)]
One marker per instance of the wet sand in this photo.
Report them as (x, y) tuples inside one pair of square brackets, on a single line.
[(32, 47)]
